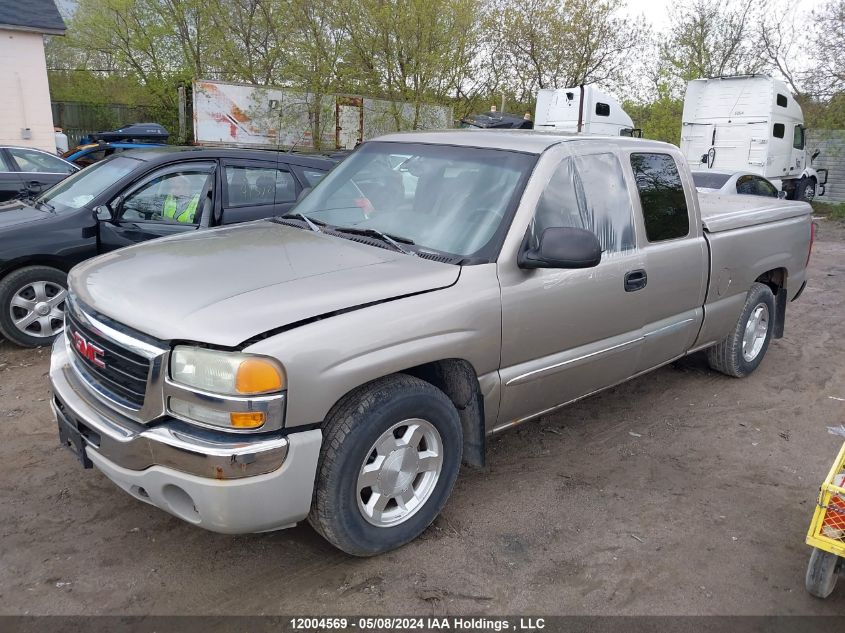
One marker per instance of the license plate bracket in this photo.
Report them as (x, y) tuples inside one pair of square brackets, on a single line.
[(71, 438)]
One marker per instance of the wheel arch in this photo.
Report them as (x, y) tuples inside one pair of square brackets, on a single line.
[(34, 260), (456, 378), (775, 279)]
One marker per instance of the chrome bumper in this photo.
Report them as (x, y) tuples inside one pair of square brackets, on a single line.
[(172, 444)]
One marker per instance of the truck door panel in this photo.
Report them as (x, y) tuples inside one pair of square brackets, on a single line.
[(677, 258), (568, 333)]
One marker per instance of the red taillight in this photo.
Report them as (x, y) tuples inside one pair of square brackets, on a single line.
[(812, 239)]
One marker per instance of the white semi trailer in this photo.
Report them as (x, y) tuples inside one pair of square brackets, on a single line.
[(750, 123), (582, 110)]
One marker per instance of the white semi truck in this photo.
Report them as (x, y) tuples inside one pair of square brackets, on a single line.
[(582, 110), (750, 123)]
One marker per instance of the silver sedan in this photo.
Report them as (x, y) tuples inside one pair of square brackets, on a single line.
[(740, 182)]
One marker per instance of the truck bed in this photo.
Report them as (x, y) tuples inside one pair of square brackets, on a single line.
[(725, 213)]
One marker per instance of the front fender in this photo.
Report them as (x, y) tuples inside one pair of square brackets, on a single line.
[(326, 359)]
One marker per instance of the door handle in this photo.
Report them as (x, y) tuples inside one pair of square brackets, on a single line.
[(635, 280)]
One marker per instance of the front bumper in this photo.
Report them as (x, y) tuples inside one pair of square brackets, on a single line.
[(224, 483)]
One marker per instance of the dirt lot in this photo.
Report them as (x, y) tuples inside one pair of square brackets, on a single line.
[(683, 492)]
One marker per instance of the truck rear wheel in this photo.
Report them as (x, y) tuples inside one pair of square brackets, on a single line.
[(391, 453), (742, 351)]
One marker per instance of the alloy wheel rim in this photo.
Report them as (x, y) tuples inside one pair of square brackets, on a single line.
[(38, 309), (400, 472), (756, 329)]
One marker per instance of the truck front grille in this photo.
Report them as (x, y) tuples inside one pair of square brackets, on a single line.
[(112, 370)]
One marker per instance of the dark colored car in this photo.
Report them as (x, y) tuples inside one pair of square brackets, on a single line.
[(129, 198), (26, 171)]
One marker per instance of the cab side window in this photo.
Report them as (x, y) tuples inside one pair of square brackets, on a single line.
[(588, 192), (172, 197), (661, 196), (798, 137), (255, 186)]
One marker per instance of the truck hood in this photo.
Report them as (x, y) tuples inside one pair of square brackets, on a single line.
[(224, 286)]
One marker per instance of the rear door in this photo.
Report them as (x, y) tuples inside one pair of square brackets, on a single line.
[(676, 253), (39, 170), (11, 184), (253, 190), (171, 200)]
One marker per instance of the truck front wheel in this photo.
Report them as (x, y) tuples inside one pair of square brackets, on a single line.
[(805, 189), (391, 453), (742, 351)]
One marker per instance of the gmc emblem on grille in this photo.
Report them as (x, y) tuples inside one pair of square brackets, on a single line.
[(88, 350)]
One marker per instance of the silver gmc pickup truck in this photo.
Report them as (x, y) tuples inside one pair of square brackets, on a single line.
[(341, 362)]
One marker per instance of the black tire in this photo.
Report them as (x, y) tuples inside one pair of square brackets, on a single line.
[(350, 430), (822, 573), (9, 287), (727, 356), (805, 190)]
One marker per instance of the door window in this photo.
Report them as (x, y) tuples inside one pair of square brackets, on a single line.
[(661, 196), (33, 161), (171, 197), (588, 192), (765, 188), (798, 137), (4, 164), (312, 176), (255, 186)]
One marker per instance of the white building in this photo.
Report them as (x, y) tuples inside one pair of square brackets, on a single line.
[(25, 115)]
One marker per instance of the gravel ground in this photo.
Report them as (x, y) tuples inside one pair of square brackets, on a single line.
[(682, 492)]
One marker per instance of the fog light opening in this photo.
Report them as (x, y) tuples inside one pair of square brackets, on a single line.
[(181, 503)]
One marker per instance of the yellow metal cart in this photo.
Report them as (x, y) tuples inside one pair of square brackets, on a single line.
[(827, 533)]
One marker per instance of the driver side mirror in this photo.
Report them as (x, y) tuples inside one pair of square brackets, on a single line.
[(102, 213), (815, 154), (782, 195), (563, 247)]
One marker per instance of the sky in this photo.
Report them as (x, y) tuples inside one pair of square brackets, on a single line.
[(658, 12)]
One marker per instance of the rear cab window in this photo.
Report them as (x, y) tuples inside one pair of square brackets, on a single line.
[(662, 196)]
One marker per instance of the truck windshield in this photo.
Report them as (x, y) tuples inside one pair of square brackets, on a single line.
[(456, 200), (79, 189)]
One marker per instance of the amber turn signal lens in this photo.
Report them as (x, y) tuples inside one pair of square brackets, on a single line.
[(256, 375), (246, 420)]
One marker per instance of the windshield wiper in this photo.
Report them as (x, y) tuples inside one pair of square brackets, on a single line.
[(38, 202), (312, 224), (393, 240)]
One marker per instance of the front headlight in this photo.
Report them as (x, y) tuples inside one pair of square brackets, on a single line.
[(236, 388), (227, 373)]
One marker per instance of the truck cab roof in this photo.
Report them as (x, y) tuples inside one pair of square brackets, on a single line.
[(526, 141)]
